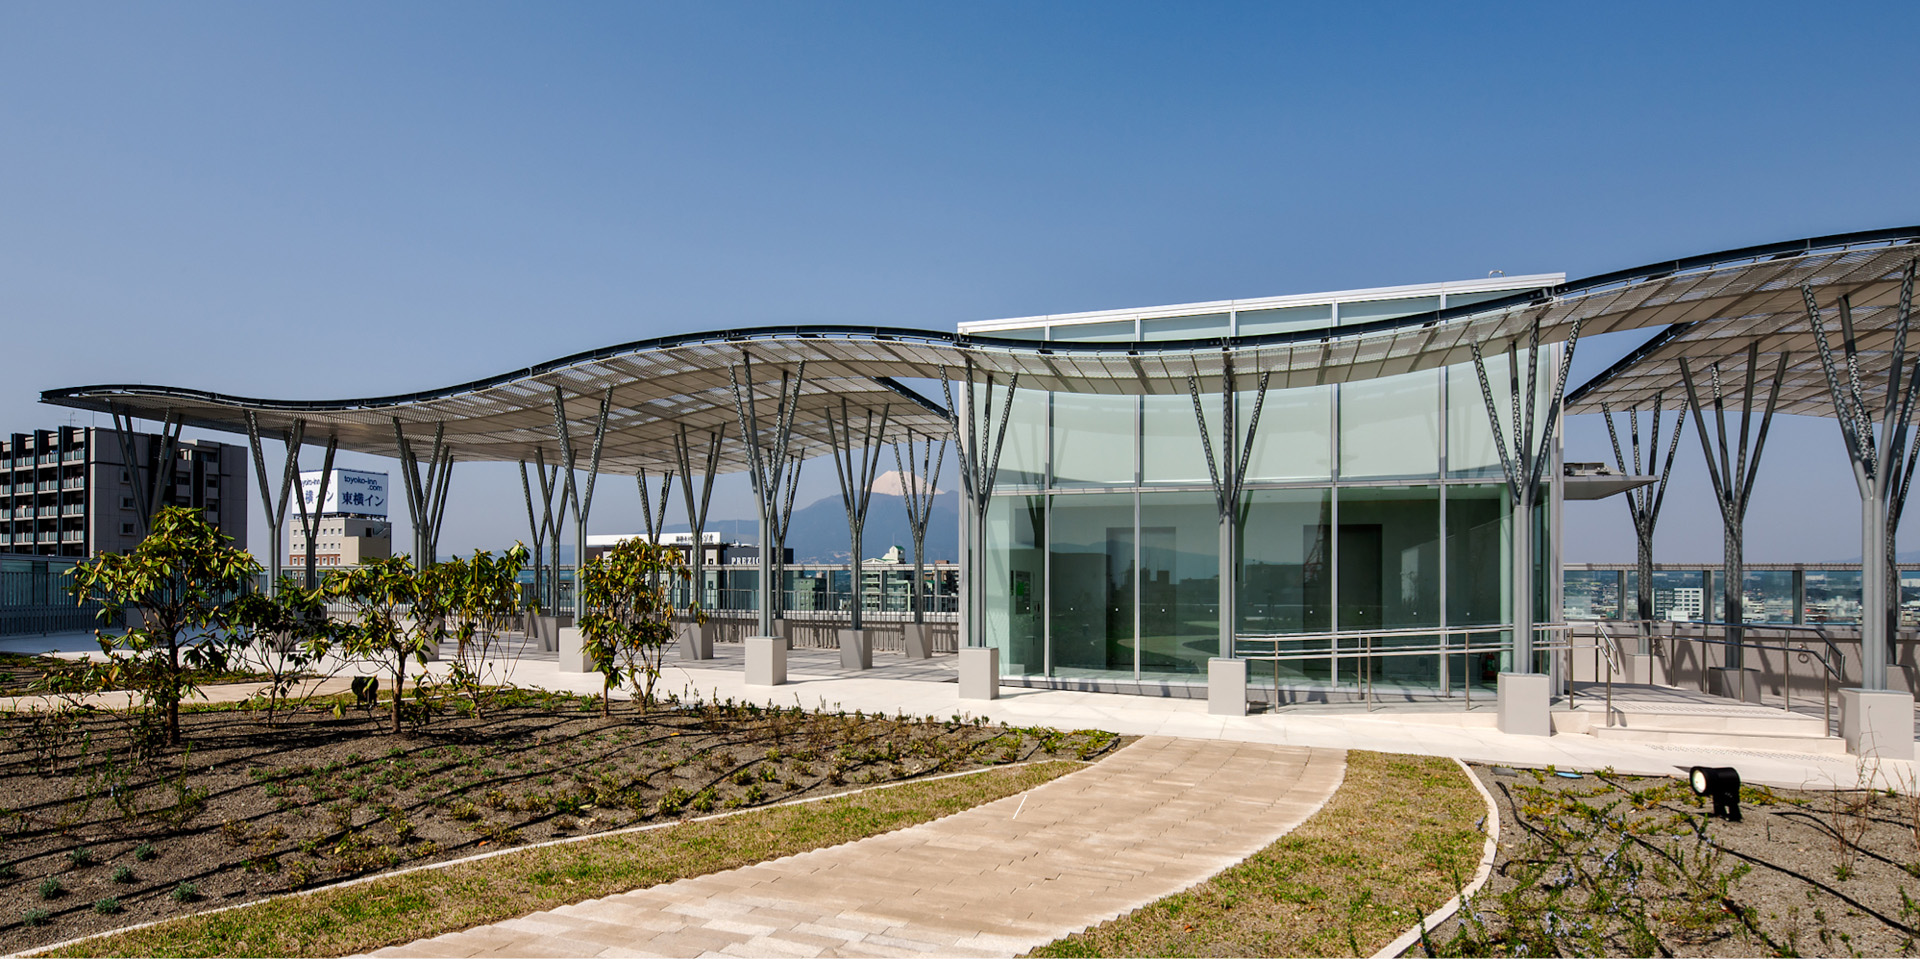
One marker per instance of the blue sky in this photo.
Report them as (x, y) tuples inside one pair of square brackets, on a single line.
[(344, 199)]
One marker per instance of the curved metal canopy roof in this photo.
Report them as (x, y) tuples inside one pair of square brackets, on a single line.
[(657, 385)]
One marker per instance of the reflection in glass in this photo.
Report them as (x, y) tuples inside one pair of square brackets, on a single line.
[(1093, 439), (1179, 582), (1185, 327), (1091, 585), (1023, 459), (1387, 561), (1479, 576), (1390, 427), (1286, 577), (1016, 583)]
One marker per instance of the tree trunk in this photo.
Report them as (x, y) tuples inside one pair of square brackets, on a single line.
[(173, 690)]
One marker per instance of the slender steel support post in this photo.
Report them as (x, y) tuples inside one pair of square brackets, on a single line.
[(920, 482), (856, 484), (1732, 479), (274, 506), (1883, 459), (1643, 504), (572, 496), (785, 521), (426, 496), (656, 521), (697, 503), (152, 487), (310, 518), (539, 527), (1525, 463), (977, 443), (1229, 477), (767, 466)]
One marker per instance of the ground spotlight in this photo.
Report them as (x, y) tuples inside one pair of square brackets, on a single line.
[(1723, 784)]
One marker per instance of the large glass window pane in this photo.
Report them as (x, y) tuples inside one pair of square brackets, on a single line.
[(1368, 311), (1833, 595), (1093, 439), (1023, 459), (1284, 319), (1587, 594), (1390, 427), (1185, 327), (1768, 596), (1118, 331), (1092, 585), (1387, 559), (1295, 436), (1179, 582), (1016, 583), (1170, 450), (1286, 581)]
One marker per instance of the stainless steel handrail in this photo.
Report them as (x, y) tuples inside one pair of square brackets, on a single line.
[(1832, 659), (1364, 648)]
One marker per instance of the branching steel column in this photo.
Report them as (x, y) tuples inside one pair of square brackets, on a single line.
[(1882, 466), (1732, 480), (150, 486), (780, 534), (1525, 463), (310, 518), (581, 504), (426, 496), (976, 448), (697, 504), (766, 465), (656, 521), (1229, 476), (919, 484), (856, 484), (1643, 504), (276, 506), (552, 511)]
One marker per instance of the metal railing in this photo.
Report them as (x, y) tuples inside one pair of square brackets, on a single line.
[(1831, 658), (1362, 648)]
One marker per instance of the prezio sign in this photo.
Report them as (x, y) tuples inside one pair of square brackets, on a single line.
[(350, 491)]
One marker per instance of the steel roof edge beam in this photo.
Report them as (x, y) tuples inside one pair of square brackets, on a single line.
[(1643, 504), (1882, 466), (856, 487), (1732, 480), (918, 500)]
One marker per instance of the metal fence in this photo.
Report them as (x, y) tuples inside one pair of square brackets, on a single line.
[(34, 602)]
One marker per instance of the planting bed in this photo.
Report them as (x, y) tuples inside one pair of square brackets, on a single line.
[(98, 832), (1628, 865)]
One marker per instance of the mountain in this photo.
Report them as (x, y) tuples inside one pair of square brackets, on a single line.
[(818, 532)]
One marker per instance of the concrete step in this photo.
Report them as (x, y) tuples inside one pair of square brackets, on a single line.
[(1770, 723), (1776, 742)]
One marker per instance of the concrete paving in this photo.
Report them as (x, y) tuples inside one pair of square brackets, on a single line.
[(999, 879)]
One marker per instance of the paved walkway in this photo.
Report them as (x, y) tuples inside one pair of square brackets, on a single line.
[(999, 879)]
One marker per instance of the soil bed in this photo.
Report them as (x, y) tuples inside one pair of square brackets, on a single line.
[(1607, 864), (98, 832)]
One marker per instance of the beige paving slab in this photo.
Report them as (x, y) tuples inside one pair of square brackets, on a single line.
[(999, 879)]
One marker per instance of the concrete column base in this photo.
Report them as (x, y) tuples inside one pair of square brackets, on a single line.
[(766, 660), (1877, 724), (783, 628), (1646, 669), (979, 672), (1226, 687), (856, 649), (1733, 683), (693, 640), (918, 642), (573, 651), (1524, 702)]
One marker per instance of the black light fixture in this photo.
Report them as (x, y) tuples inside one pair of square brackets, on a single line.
[(1723, 784)]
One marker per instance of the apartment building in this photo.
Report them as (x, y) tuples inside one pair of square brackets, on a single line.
[(68, 491)]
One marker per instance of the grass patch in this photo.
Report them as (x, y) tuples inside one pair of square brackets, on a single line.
[(1396, 841), (403, 908)]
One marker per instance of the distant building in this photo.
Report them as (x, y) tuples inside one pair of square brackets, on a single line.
[(352, 520), (714, 552), (68, 492)]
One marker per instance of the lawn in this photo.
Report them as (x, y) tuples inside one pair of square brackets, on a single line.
[(102, 827), (1394, 843)]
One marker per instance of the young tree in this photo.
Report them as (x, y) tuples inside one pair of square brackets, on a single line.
[(399, 615), (629, 622), (284, 637), (483, 594), (182, 580)]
